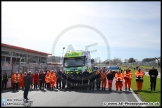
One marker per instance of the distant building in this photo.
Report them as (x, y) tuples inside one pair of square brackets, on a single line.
[(11, 54), (15, 58)]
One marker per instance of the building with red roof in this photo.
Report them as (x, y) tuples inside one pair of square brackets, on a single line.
[(14, 54)]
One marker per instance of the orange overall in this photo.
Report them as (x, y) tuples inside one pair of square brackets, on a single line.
[(52, 80), (21, 84), (139, 83), (103, 77), (119, 84), (47, 80), (127, 79)]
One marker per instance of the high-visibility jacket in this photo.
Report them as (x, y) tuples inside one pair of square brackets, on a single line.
[(47, 78), (139, 73), (16, 78), (53, 77), (103, 75), (118, 76), (4, 78), (21, 78), (12, 78), (127, 75)]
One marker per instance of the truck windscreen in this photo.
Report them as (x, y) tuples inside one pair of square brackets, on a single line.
[(75, 61)]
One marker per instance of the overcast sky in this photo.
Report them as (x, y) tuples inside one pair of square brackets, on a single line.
[(131, 29)]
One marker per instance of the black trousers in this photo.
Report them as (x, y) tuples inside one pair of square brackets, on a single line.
[(98, 83), (91, 85), (42, 84), (35, 85), (153, 83), (26, 91), (15, 86), (45, 84), (4, 84), (48, 85), (58, 84), (68, 83), (63, 83)]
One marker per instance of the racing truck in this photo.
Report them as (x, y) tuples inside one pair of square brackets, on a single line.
[(77, 61)]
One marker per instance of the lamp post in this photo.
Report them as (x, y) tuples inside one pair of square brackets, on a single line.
[(63, 51), (62, 58)]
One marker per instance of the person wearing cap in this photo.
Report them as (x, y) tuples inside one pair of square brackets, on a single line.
[(119, 80), (153, 73), (27, 84), (110, 77), (139, 79)]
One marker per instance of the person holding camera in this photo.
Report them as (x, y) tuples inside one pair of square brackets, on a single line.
[(119, 80), (139, 79)]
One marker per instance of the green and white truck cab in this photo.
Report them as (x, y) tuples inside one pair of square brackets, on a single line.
[(77, 61)]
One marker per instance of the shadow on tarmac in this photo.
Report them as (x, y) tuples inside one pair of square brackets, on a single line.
[(103, 91)]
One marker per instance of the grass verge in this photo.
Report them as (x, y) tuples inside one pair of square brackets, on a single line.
[(146, 94)]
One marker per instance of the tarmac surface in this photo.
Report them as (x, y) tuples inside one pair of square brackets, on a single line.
[(57, 97)]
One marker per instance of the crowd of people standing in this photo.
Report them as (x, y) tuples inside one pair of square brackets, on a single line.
[(98, 79)]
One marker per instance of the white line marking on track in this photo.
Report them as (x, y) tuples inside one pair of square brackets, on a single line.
[(137, 98)]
